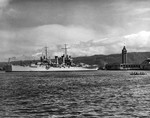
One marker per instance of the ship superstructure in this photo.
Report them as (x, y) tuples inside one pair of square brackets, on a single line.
[(64, 61)]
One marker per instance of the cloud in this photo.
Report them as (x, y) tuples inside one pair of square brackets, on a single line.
[(102, 46), (139, 41), (88, 27), (71, 34), (3, 9), (81, 41), (4, 3), (26, 41), (142, 10)]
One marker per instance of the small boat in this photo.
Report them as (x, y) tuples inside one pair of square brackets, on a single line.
[(138, 73)]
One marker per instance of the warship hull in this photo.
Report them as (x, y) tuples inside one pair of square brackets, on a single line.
[(63, 63), (14, 68)]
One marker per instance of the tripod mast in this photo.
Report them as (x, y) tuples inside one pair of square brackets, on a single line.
[(65, 48)]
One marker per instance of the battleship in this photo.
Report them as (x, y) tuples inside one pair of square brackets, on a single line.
[(63, 63)]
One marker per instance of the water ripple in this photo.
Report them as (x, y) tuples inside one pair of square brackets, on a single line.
[(101, 94)]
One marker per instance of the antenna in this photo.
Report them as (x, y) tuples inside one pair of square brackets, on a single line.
[(125, 42)]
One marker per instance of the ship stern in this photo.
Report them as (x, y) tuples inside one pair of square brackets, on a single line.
[(8, 68)]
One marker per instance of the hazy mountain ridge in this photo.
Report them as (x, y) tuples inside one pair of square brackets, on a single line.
[(101, 60)]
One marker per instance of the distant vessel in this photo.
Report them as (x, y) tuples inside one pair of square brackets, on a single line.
[(63, 63)]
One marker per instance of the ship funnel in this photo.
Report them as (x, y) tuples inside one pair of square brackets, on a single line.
[(56, 58)]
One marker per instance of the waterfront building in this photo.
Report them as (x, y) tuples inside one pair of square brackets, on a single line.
[(117, 66), (124, 55), (145, 65), (124, 65)]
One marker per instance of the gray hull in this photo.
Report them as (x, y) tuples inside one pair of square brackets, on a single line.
[(14, 68)]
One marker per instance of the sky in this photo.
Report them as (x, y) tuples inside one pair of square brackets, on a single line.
[(89, 27)]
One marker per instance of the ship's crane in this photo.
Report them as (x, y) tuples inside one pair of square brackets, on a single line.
[(11, 58)]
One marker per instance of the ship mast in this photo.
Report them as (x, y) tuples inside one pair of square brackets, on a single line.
[(65, 55), (46, 52), (65, 48)]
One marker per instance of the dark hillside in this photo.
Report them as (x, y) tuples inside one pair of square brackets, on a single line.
[(101, 60)]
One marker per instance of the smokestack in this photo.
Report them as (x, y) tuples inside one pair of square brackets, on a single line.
[(56, 58)]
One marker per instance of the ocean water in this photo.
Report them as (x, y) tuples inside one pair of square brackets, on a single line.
[(96, 94)]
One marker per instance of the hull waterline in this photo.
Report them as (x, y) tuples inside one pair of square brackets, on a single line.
[(12, 68)]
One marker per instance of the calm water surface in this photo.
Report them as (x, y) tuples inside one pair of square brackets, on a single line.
[(98, 94)]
